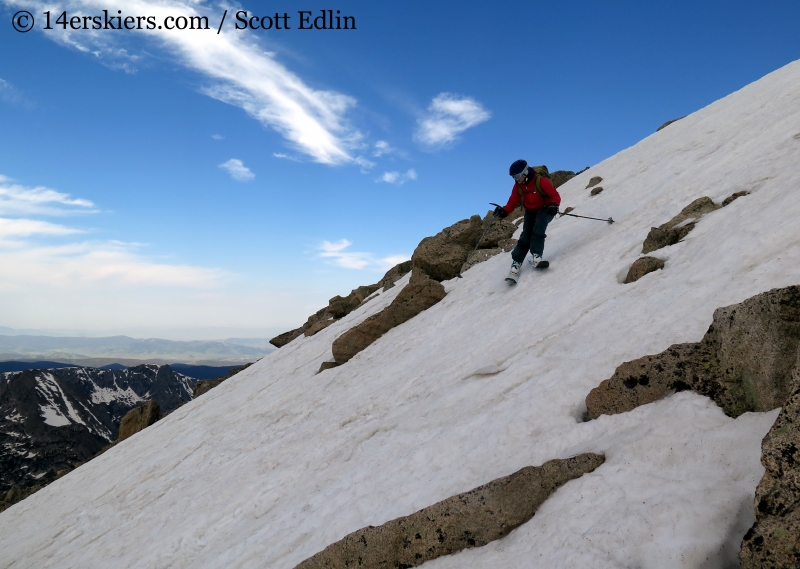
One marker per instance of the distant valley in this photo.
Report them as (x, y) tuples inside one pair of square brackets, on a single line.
[(98, 352)]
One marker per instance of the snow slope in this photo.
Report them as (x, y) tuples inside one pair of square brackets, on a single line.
[(278, 462)]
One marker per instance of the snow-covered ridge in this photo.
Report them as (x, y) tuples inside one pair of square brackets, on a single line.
[(278, 462)]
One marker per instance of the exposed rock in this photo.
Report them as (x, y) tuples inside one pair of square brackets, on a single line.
[(420, 293), (569, 209), (90, 403), (281, 340), (641, 267), (594, 181), (480, 256), (139, 418), (339, 307), (596, 190), (679, 226), (500, 230), (319, 325), (560, 177), (774, 540), (467, 520), (394, 274), (442, 255), (670, 122), (507, 244), (204, 385), (744, 362), (14, 495), (732, 197), (327, 365)]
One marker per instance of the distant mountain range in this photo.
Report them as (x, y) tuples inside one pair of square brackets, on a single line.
[(54, 419), (114, 349)]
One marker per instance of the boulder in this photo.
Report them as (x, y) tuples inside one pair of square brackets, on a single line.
[(560, 177), (596, 190), (594, 181), (670, 122), (420, 293), (507, 244), (340, 306), (500, 230), (394, 274), (746, 361), (138, 418), (774, 539), (679, 226), (480, 256), (205, 385), (641, 267), (327, 365), (442, 255), (467, 520)]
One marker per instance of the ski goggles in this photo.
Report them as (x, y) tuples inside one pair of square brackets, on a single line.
[(521, 175)]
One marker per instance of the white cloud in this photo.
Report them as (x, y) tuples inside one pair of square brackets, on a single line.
[(364, 163), (28, 227), (217, 137), (242, 73), (20, 200), (13, 96), (397, 177), (238, 170), (448, 116), (382, 147), (335, 251), (96, 265)]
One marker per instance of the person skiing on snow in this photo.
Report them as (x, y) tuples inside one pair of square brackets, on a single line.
[(541, 202)]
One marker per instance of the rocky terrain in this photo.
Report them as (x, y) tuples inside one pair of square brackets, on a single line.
[(52, 420)]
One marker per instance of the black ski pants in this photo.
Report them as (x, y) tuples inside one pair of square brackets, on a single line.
[(532, 238)]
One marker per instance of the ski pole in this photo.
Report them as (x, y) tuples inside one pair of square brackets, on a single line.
[(479, 242), (609, 220)]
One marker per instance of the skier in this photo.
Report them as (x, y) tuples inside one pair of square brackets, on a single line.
[(541, 201)]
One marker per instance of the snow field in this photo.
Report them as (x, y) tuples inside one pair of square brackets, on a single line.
[(278, 462)]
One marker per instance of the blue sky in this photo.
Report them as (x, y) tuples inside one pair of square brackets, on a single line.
[(190, 184)]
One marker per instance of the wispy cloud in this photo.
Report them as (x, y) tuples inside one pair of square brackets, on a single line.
[(217, 137), (336, 252), (381, 147), (397, 177), (16, 199), (68, 266), (237, 170), (448, 116), (13, 96), (11, 228), (240, 71)]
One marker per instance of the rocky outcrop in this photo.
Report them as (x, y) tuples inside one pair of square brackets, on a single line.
[(744, 362), (205, 385), (395, 274), (641, 267), (679, 226), (596, 190), (594, 181), (420, 293), (666, 124), (774, 540), (467, 520), (138, 418), (442, 255), (339, 306)]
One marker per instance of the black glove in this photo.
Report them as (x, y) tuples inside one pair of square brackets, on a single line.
[(500, 212), (552, 209)]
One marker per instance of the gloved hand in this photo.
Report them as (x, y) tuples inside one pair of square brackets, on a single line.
[(500, 212), (552, 209)]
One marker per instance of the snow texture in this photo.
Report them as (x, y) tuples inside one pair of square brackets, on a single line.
[(278, 462)]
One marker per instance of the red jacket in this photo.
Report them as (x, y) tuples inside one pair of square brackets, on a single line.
[(533, 199)]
